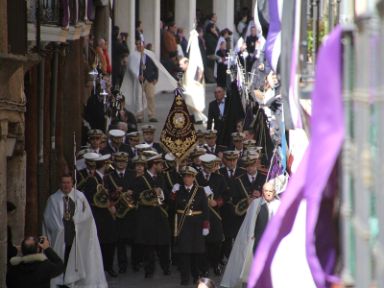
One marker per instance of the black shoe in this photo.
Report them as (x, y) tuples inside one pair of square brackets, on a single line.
[(153, 120), (148, 275), (199, 122), (122, 270), (217, 271), (111, 273), (167, 272)]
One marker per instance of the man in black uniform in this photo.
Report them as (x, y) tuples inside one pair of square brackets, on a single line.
[(195, 158), (191, 225), (246, 187), (94, 139), (214, 187), (115, 142), (211, 147), (152, 227), (132, 139), (230, 172), (119, 185), (83, 174), (104, 213), (237, 140), (149, 138)]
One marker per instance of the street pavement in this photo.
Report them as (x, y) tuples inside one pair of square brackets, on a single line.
[(136, 279)]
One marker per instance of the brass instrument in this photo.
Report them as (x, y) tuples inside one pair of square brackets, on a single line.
[(124, 204), (241, 207), (101, 197), (150, 198)]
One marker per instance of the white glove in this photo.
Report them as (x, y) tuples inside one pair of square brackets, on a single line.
[(205, 231), (175, 187), (208, 191)]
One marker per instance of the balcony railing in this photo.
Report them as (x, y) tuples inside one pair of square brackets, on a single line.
[(57, 12)]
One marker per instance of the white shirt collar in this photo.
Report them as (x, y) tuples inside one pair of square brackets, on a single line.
[(188, 187), (152, 175), (100, 174), (70, 194), (251, 176)]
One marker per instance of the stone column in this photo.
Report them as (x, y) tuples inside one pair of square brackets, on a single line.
[(125, 19), (150, 17), (224, 10), (185, 14), (3, 200), (4, 27)]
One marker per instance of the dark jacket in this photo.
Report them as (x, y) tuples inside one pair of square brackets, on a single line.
[(35, 270), (151, 73), (152, 227), (214, 114), (217, 184), (190, 238), (105, 224), (125, 225)]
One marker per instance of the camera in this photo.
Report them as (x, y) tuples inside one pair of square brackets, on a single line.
[(41, 239)]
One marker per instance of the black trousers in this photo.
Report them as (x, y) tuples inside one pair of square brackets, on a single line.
[(149, 253), (188, 265), (66, 254), (136, 253), (212, 256), (108, 252), (227, 247)]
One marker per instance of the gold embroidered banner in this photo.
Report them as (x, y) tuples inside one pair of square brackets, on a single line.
[(178, 135)]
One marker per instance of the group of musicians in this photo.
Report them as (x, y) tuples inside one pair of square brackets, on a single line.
[(187, 214)]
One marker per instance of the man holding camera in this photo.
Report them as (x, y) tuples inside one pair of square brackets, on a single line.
[(36, 267), (70, 227)]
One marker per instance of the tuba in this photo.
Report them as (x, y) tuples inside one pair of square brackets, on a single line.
[(241, 207), (149, 198), (124, 204), (101, 197)]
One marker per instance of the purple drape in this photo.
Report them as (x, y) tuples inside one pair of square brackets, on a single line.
[(311, 179)]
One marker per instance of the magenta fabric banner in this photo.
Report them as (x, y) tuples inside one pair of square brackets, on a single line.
[(311, 179)]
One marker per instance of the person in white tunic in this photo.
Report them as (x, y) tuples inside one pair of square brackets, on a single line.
[(71, 230)]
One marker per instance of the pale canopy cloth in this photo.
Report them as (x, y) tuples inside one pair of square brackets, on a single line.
[(131, 87), (240, 260), (85, 265), (193, 81)]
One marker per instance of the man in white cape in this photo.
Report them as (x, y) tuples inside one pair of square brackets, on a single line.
[(131, 87), (85, 265)]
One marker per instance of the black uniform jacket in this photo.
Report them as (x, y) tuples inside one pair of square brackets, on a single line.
[(190, 238), (105, 223), (152, 226), (125, 225)]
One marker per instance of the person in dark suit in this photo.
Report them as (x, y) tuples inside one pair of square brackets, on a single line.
[(221, 63), (148, 77), (217, 112), (191, 225), (119, 185), (267, 210), (247, 186), (115, 143), (230, 172), (104, 213), (83, 174), (152, 228), (34, 269), (194, 158), (211, 147), (214, 187), (149, 137)]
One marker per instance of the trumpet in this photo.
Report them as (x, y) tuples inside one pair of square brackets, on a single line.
[(124, 204), (152, 197)]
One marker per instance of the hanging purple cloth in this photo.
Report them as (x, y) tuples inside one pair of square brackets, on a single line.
[(272, 49), (312, 177), (65, 13)]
